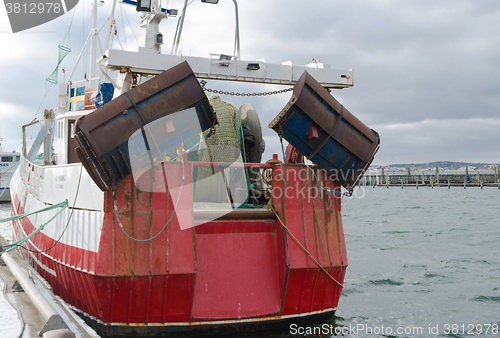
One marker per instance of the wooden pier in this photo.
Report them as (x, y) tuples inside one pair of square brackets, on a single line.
[(436, 179)]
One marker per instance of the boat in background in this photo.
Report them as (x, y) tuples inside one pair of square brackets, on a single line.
[(173, 223), (8, 164)]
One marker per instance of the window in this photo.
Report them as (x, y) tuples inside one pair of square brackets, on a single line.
[(7, 158), (60, 129)]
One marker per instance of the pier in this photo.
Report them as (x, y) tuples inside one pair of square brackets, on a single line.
[(41, 312), (432, 179)]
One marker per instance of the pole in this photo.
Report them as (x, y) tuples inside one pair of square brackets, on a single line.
[(111, 25), (177, 38), (237, 32), (93, 44)]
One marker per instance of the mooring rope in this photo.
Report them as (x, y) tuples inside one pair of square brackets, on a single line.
[(14, 245), (303, 248), (67, 223)]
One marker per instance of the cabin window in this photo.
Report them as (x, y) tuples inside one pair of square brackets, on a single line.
[(18, 158), (7, 158)]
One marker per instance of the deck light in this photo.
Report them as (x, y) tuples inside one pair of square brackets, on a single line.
[(143, 6), (159, 38), (215, 2), (224, 57)]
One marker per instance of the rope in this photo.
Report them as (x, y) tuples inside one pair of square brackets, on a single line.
[(62, 204), (14, 245), (267, 173), (67, 224), (164, 227), (303, 248)]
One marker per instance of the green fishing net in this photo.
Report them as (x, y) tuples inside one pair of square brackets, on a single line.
[(63, 51), (225, 145)]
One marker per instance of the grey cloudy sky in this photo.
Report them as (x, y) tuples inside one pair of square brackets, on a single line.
[(426, 73)]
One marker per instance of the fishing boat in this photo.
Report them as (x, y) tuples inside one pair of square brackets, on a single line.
[(164, 217), (8, 164)]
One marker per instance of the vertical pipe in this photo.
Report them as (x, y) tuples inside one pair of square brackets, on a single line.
[(111, 24), (178, 37), (237, 32), (110, 32), (93, 44)]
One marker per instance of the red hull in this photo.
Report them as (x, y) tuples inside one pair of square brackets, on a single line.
[(228, 271)]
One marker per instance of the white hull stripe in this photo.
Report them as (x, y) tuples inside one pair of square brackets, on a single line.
[(43, 266)]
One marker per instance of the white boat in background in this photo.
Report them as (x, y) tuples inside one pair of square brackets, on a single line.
[(8, 164)]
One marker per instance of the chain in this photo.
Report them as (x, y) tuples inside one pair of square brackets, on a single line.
[(248, 94)]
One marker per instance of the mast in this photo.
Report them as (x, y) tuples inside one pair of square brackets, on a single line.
[(237, 32), (178, 33), (93, 45)]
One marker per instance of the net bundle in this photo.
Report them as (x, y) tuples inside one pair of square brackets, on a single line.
[(63, 51)]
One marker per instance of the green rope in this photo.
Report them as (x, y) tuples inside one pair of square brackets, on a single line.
[(62, 204), (14, 245)]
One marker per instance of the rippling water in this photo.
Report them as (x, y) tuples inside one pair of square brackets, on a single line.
[(419, 260), (422, 258)]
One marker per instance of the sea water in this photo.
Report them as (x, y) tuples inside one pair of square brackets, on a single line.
[(422, 262)]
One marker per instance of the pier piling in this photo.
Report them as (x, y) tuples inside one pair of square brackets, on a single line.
[(436, 178)]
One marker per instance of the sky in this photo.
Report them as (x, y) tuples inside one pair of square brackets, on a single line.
[(426, 73)]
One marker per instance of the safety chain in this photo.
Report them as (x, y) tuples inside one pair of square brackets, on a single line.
[(248, 94)]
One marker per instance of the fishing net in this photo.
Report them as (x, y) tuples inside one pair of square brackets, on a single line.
[(63, 51), (225, 145)]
